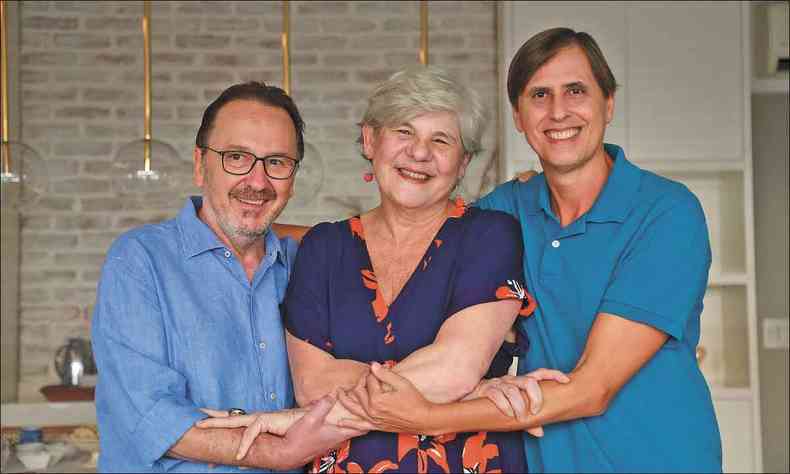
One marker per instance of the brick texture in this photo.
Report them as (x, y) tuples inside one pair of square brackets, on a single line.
[(82, 99)]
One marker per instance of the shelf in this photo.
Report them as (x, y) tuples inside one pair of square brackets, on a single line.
[(774, 85), (680, 166), (728, 393), (727, 279), (724, 331)]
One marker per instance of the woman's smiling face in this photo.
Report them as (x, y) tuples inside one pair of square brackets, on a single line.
[(419, 162)]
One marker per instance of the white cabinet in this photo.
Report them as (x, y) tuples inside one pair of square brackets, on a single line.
[(682, 110)]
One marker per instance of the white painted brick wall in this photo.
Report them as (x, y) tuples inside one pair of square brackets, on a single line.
[(82, 85)]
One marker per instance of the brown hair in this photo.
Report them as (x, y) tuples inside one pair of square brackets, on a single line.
[(542, 47)]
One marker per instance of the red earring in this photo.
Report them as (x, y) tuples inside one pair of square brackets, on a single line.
[(368, 177)]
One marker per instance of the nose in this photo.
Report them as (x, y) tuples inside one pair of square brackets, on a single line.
[(420, 150), (257, 177), (558, 110)]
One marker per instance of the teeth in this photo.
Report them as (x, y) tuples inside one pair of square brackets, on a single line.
[(414, 174), (563, 134), (254, 203)]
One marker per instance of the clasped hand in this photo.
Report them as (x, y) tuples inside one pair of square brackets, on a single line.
[(385, 401), (306, 432)]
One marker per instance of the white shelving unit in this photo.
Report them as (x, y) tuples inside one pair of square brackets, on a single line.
[(683, 110)]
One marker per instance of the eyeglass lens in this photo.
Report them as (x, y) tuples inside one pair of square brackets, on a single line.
[(241, 162)]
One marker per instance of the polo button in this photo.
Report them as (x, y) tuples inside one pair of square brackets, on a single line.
[(273, 396), (227, 254), (555, 243), (262, 345)]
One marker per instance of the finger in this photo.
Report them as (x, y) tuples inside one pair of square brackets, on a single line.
[(549, 374), (351, 405), (215, 413), (535, 395), (387, 376), (252, 432), (500, 400), (536, 431), (524, 176), (513, 395), (228, 422)]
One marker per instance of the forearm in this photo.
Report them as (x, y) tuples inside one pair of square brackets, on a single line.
[(441, 374), (218, 446), (561, 402), (310, 384)]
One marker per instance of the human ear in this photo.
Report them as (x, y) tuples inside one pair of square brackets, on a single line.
[(197, 167)]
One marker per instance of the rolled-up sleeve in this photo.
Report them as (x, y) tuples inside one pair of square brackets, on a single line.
[(139, 396)]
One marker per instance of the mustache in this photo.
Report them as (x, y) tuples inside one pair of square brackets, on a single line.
[(249, 194)]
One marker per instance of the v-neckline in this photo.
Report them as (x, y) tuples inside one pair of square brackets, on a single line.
[(456, 212)]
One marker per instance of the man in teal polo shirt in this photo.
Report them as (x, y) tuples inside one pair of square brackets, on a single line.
[(617, 259)]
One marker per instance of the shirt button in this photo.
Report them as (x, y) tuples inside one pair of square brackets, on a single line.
[(555, 243), (262, 345), (227, 254), (273, 396)]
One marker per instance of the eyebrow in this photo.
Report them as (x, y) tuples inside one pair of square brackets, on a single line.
[(569, 85), (234, 147)]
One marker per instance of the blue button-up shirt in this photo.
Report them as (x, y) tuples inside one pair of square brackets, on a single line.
[(642, 253), (178, 326)]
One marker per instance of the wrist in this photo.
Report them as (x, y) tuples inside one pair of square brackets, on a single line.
[(432, 425)]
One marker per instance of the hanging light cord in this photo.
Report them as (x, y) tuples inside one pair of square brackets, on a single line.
[(285, 39), (147, 83), (424, 32), (4, 80)]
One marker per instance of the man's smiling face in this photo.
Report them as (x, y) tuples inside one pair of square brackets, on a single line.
[(563, 111), (241, 208)]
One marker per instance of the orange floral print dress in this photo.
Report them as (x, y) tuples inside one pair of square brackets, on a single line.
[(334, 303)]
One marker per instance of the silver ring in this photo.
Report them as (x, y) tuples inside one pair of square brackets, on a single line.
[(236, 412)]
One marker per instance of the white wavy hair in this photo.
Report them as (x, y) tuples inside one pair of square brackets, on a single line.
[(421, 89)]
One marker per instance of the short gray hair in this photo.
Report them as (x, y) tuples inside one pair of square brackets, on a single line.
[(422, 89)]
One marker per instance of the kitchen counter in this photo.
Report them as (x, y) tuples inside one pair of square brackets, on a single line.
[(48, 414), (79, 463)]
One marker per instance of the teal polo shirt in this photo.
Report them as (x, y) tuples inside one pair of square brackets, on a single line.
[(642, 253)]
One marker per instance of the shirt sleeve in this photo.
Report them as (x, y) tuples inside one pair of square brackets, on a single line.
[(306, 306), (662, 277), (489, 267), (502, 198), (140, 396)]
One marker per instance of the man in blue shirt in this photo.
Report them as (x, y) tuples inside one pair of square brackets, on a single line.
[(187, 311), (617, 259)]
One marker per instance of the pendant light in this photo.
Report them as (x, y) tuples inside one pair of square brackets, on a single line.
[(24, 176), (148, 165), (310, 175)]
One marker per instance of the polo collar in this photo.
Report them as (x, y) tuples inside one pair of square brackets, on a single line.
[(615, 199), (197, 237)]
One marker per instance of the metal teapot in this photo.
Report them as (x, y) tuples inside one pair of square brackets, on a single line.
[(74, 360)]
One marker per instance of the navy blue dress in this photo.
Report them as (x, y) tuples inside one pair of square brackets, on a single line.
[(333, 302)]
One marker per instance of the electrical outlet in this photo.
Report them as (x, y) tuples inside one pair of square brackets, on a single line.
[(775, 333)]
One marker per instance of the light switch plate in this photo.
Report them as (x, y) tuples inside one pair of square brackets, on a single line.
[(775, 333)]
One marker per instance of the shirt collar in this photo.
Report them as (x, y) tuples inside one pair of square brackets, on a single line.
[(615, 199), (197, 237)]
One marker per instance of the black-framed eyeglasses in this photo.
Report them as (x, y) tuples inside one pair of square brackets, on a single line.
[(239, 163)]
